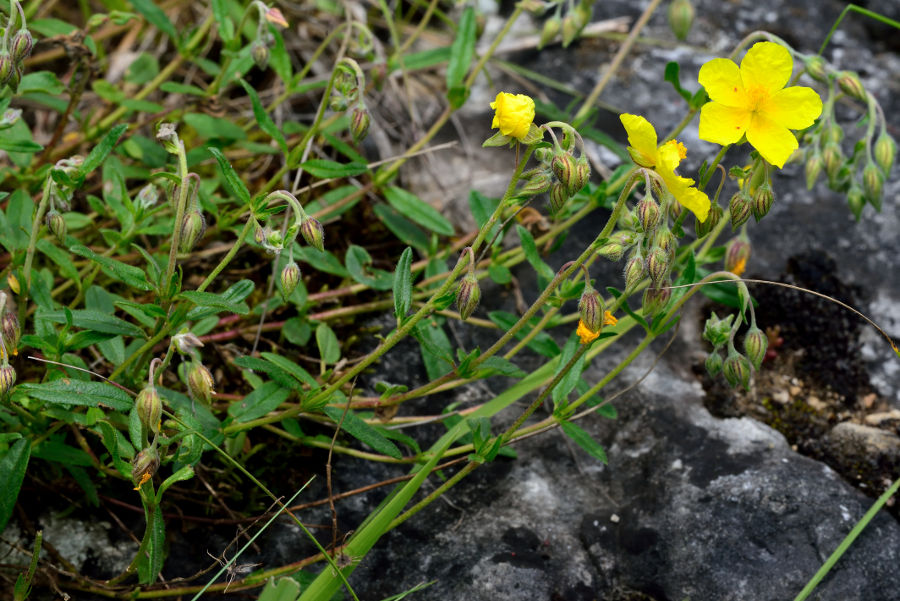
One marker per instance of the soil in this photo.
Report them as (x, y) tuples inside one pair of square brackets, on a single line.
[(813, 377)]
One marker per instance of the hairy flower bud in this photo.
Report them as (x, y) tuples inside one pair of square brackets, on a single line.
[(558, 197), (359, 124), (885, 151), (740, 208), (681, 17), (655, 299), (467, 296), (563, 165), (873, 184), (717, 330), (714, 364), (168, 137), (703, 228), (570, 30), (762, 201), (15, 77), (832, 133), (290, 277), (648, 213), (850, 84), (737, 370), (657, 265), (582, 173), (590, 309), (21, 45), (11, 332), (193, 226), (550, 31), (856, 200), (815, 66), (144, 466), (260, 53), (200, 383), (313, 232), (737, 253), (755, 344), (149, 408), (536, 184), (814, 165), (57, 225), (833, 159), (7, 378), (6, 67), (634, 272), (616, 246)]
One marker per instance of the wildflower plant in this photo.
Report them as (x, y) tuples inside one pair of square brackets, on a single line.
[(193, 253)]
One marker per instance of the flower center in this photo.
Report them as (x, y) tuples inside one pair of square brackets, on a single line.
[(756, 97)]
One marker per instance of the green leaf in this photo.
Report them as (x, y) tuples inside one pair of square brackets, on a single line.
[(81, 393), (263, 119), (278, 375), (671, 76), (407, 231), (482, 207), (185, 473), (568, 382), (97, 321), (19, 145), (142, 69), (283, 589), (258, 403), (325, 169), (231, 298), (461, 53), (50, 27), (356, 259), (321, 260), (129, 274), (329, 347), (41, 81), (214, 128), (413, 207), (61, 258), (102, 150), (232, 181), (156, 17), (362, 431), (18, 220), (292, 368), (531, 254), (223, 21), (215, 301), (500, 365), (172, 87), (435, 348), (12, 474), (500, 273), (149, 567), (403, 285), (583, 440)]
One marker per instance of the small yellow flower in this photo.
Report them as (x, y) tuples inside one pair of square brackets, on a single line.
[(586, 334), (514, 114), (752, 100), (609, 319), (664, 160), (144, 478)]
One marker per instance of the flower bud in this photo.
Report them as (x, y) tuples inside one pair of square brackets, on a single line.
[(737, 370), (7, 378), (313, 233), (737, 253), (9, 117), (558, 197), (260, 53), (359, 124), (856, 199), (850, 84), (536, 184), (714, 364), (762, 201), (144, 466), (168, 137), (681, 17), (634, 272), (550, 31), (832, 133), (616, 246), (815, 66), (833, 159), (885, 151), (590, 309), (15, 77), (290, 277), (11, 332), (200, 383), (260, 235), (186, 342), (655, 299), (740, 210), (274, 241), (657, 265), (873, 184), (21, 46), (814, 165), (193, 226), (570, 30), (717, 330), (648, 213), (149, 408), (703, 228), (667, 241), (755, 344), (147, 197), (467, 296), (563, 165), (6, 67), (56, 225), (582, 173)]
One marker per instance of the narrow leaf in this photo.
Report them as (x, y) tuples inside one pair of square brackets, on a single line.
[(461, 53), (79, 393), (12, 473), (329, 347), (413, 207), (134, 277), (156, 17), (234, 183), (102, 150), (263, 119), (362, 431), (326, 169), (583, 440), (403, 285)]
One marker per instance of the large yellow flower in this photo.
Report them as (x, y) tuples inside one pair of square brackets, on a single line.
[(664, 160), (514, 114), (752, 99)]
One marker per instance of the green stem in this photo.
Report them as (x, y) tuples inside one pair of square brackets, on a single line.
[(862, 11), (180, 206), (32, 245)]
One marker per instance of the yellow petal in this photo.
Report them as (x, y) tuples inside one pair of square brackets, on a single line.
[(774, 141), (767, 66), (797, 107), (722, 80), (723, 124), (689, 197), (586, 334), (642, 138), (670, 155), (514, 114)]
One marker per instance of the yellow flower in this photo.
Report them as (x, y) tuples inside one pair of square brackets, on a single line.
[(514, 114), (587, 335), (752, 100), (609, 319), (664, 160)]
